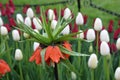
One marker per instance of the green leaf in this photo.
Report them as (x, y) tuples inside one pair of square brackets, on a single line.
[(43, 56), (64, 50)]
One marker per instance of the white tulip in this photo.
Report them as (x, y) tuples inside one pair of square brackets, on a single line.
[(81, 35), (98, 24), (1, 21), (18, 55), (53, 24), (28, 21), (104, 48), (67, 14), (117, 73), (79, 19), (37, 23), (30, 13), (26, 35), (19, 18), (3, 30), (90, 35), (15, 35), (73, 76), (66, 30), (51, 14), (104, 36), (118, 44), (93, 61), (36, 45)]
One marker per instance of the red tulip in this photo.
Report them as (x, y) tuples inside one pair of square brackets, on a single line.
[(11, 4), (12, 22), (37, 9), (75, 28), (116, 33), (110, 26), (1, 5), (85, 19), (33, 26), (3, 11), (113, 47)]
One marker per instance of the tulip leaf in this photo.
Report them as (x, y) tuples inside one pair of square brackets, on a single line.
[(64, 50), (43, 56)]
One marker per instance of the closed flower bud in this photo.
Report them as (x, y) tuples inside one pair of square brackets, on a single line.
[(3, 30), (19, 18), (36, 45), (73, 76), (26, 35), (81, 35), (91, 49), (90, 35), (93, 61), (66, 30), (53, 24), (30, 13), (67, 14), (15, 35), (1, 21), (28, 21), (37, 23), (118, 44), (51, 14), (117, 73), (104, 48), (18, 55), (98, 24), (104, 36), (79, 19)]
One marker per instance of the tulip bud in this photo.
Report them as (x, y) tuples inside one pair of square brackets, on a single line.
[(26, 35), (1, 21), (36, 45), (90, 35), (73, 76), (15, 35), (118, 44), (79, 19), (18, 55), (117, 73), (19, 18), (81, 35), (30, 13), (104, 48), (93, 61), (104, 36), (37, 23), (28, 21), (51, 14), (91, 49), (53, 24), (3, 30), (98, 24), (67, 14), (66, 30)]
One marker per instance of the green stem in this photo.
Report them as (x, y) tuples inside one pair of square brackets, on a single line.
[(97, 40), (92, 74), (20, 69)]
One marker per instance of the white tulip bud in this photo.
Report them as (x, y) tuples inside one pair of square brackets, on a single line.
[(79, 19), (19, 18), (37, 23), (51, 14), (28, 21), (104, 36), (30, 13), (1, 21), (81, 35), (90, 48), (36, 45), (67, 14), (15, 35), (117, 74), (18, 55), (66, 30), (53, 24), (73, 76), (3, 30), (118, 44), (98, 24), (104, 48), (93, 61), (90, 35), (26, 35)]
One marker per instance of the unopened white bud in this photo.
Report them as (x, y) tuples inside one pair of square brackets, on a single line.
[(18, 55), (30, 13), (117, 73), (19, 18), (3, 30), (28, 21), (36, 45), (66, 30), (26, 35), (15, 35), (90, 35), (51, 14), (98, 24), (118, 44), (73, 76), (93, 61), (67, 14), (91, 49), (79, 19), (53, 24), (1, 21), (81, 35), (37, 23), (104, 36)]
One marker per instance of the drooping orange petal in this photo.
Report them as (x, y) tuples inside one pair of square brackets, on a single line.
[(48, 51)]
